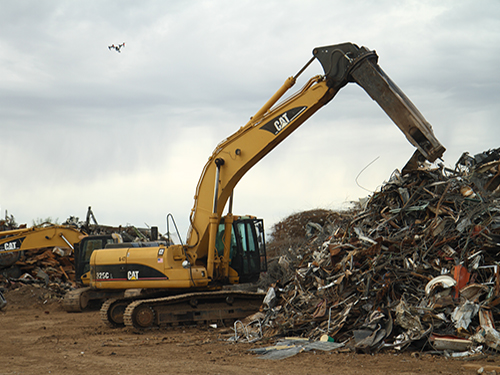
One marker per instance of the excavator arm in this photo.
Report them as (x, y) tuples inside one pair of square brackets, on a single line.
[(12, 242), (39, 237), (234, 156)]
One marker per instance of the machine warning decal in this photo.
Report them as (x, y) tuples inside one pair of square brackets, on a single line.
[(278, 123)]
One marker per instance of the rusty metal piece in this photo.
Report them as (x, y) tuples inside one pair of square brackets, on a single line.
[(3, 301)]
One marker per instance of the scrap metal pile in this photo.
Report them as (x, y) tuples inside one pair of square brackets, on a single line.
[(415, 265)]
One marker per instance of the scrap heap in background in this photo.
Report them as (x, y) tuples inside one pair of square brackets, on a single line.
[(413, 265)]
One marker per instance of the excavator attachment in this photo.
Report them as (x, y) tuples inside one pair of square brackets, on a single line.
[(344, 63)]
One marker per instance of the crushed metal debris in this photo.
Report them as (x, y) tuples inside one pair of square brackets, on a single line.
[(413, 266), (289, 347)]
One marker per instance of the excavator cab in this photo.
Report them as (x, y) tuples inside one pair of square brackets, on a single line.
[(83, 251), (247, 250)]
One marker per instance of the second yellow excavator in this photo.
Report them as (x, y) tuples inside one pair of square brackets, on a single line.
[(78, 240), (192, 281)]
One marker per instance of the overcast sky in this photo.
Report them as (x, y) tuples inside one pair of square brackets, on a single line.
[(129, 133)]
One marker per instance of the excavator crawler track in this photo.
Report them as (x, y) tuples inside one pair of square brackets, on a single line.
[(199, 307), (76, 300), (112, 311), (79, 299)]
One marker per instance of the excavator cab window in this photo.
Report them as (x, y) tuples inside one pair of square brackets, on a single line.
[(248, 252), (84, 250)]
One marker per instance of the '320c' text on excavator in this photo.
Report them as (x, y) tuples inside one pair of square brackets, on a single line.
[(191, 282)]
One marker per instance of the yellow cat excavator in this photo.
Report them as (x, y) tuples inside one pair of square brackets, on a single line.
[(192, 281)]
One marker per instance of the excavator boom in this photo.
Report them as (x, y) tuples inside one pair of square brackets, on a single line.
[(233, 157), (12, 242)]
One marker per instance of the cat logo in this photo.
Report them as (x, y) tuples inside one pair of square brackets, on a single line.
[(9, 246), (277, 124), (133, 275)]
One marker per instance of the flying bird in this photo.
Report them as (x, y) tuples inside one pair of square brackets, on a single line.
[(117, 48)]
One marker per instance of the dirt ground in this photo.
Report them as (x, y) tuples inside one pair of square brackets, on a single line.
[(38, 337)]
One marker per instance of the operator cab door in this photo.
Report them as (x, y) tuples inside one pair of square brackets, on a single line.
[(248, 251), (83, 251)]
